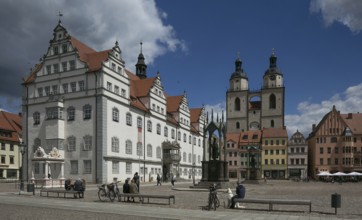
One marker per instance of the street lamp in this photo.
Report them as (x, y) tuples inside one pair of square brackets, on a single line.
[(22, 148)]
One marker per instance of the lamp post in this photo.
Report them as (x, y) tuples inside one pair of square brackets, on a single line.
[(22, 148)]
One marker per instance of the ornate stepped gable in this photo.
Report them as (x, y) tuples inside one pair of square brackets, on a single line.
[(140, 88)]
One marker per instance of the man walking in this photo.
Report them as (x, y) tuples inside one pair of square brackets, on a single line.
[(158, 179)]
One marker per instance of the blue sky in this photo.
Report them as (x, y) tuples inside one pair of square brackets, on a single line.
[(194, 44)]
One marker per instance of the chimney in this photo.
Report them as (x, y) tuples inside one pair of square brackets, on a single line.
[(20, 114), (349, 116), (313, 127)]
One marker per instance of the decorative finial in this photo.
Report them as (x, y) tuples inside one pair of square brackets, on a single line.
[(217, 117), (60, 15), (141, 46), (212, 114), (222, 116), (273, 51), (238, 55), (116, 43)]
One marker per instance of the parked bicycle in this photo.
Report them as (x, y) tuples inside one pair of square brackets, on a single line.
[(108, 191), (214, 201)]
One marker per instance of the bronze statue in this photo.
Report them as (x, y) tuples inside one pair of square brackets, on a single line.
[(215, 150)]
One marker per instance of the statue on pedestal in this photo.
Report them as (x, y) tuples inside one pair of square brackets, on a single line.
[(215, 149)]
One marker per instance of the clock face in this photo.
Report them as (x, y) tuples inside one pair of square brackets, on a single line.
[(272, 77)]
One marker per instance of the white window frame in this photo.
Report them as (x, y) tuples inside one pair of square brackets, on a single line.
[(87, 143), (71, 143), (115, 114), (149, 150), (115, 167), (87, 166), (128, 147), (71, 113), (129, 119), (115, 145)]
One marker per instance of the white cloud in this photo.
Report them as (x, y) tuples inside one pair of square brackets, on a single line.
[(312, 113), (347, 12), (350, 101), (27, 26), (218, 110)]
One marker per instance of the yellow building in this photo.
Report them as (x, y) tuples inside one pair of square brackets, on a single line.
[(274, 153), (10, 157)]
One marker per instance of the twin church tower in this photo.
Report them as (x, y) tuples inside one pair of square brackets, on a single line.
[(255, 110)]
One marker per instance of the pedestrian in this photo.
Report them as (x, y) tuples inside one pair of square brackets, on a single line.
[(240, 193), (126, 188), (158, 179), (133, 188), (136, 179), (172, 180)]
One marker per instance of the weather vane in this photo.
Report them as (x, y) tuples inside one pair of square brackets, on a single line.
[(60, 15)]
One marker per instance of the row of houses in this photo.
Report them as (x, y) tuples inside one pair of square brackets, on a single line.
[(334, 145)]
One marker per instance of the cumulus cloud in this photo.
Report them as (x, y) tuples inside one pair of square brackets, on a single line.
[(350, 101), (347, 12), (27, 26), (309, 113), (216, 111)]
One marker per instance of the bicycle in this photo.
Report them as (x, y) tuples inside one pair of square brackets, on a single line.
[(214, 201), (108, 191)]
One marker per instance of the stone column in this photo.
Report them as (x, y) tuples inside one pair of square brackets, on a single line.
[(62, 170), (32, 170), (46, 167)]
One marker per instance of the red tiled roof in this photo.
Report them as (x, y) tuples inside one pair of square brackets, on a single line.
[(173, 103), (250, 136), (82, 48), (33, 73), (11, 123), (354, 122), (233, 137), (195, 114), (142, 87), (275, 133), (94, 60)]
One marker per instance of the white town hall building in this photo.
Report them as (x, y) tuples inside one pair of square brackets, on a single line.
[(86, 116)]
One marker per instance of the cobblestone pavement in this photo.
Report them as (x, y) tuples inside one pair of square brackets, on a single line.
[(188, 199)]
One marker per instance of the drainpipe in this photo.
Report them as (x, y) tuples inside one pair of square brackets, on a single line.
[(96, 129), (144, 147)]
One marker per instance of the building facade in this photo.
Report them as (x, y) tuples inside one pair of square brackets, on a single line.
[(10, 140), (297, 156), (254, 110), (335, 144), (244, 154), (86, 115), (275, 153)]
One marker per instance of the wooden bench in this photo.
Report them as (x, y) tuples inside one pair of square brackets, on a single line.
[(276, 201), (148, 196), (59, 191)]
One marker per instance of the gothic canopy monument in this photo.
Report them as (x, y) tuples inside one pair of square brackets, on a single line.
[(214, 164)]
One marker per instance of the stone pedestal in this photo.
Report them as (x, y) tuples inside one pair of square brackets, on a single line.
[(214, 171)]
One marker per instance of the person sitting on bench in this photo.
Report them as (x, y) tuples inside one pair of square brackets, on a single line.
[(240, 193)]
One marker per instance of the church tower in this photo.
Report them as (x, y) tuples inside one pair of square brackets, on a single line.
[(272, 96), (141, 66), (237, 99), (255, 109)]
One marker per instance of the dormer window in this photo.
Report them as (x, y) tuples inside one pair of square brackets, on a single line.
[(55, 50), (65, 48)]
